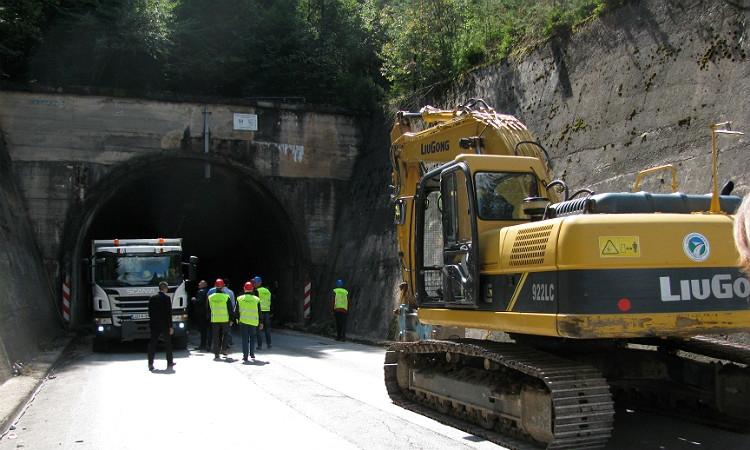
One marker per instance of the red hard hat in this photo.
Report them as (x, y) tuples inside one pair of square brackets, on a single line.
[(219, 283), (249, 286)]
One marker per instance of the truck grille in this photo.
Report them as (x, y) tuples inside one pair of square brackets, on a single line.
[(136, 303)]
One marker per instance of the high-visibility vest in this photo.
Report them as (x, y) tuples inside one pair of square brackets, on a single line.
[(218, 304), (265, 299), (248, 305), (342, 299)]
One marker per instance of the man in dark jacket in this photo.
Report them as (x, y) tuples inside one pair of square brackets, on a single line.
[(160, 320), (201, 313)]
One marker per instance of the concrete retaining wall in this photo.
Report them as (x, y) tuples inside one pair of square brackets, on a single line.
[(27, 316), (637, 88)]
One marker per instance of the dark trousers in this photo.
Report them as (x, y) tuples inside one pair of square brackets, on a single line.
[(219, 337), (340, 324), (203, 329), (248, 339), (265, 319), (155, 333)]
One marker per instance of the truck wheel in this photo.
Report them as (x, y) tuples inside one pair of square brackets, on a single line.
[(180, 343), (100, 345)]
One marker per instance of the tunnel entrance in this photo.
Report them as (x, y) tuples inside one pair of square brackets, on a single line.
[(230, 221)]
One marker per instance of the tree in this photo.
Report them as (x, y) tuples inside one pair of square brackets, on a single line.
[(22, 24), (111, 43)]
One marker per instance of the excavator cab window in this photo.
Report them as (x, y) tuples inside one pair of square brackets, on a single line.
[(500, 194), (432, 246)]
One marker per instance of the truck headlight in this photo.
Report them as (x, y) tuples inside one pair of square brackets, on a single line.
[(103, 321), (180, 318), (181, 325), (100, 329)]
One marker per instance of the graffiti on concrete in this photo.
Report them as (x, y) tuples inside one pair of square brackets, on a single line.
[(296, 152)]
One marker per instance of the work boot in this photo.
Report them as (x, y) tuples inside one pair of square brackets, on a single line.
[(150, 368)]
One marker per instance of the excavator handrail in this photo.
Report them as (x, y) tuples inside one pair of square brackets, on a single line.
[(544, 150), (656, 169)]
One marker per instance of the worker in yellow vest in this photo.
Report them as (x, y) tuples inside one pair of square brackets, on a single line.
[(340, 309), (249, 318), (265, 311), (221, 314)]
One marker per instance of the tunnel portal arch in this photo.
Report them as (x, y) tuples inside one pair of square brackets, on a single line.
[(233, 221)]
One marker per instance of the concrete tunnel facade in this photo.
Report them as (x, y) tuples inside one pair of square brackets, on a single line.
[(231, 220), (90, 167)]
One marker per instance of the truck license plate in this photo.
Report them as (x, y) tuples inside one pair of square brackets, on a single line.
[(139, 316)]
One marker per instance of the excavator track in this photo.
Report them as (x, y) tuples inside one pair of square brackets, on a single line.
[(576, 404)]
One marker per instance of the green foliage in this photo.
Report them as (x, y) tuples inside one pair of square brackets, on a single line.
[(434, 40), (344, 52), (112, 43), (316, 49), (21, 27)]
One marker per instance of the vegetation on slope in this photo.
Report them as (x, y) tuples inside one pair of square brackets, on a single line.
[(344, 52)]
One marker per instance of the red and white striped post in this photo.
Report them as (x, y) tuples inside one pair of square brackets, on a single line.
[(306, 304), (66, 298)]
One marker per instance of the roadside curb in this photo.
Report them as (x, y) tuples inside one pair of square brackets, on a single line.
[(17, 391)]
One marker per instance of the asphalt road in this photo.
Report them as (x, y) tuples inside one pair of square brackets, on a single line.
[(306, 392)]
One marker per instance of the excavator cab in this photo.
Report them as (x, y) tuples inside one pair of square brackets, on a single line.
[(446, 227), (456, 202)]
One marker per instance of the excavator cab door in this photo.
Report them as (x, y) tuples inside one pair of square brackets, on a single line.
[(446, 239), (460, 249)]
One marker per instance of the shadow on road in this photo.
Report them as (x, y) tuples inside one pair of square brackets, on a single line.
[(255, 362), (645, 430), (79, 353)]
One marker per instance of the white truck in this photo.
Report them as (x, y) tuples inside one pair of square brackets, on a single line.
[(125, 273)]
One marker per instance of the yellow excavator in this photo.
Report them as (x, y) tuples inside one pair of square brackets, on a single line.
[(599, 298)]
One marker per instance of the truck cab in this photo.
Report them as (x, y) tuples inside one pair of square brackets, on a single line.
[(125, 273)]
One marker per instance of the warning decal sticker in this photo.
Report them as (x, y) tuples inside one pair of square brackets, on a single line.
[(619, 247)]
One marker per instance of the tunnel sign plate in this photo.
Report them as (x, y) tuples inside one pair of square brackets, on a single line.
[(619, 246), (245, 122)]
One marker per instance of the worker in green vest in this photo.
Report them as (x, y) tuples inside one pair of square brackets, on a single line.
[(265, 311), (221, 314), (340, 309), (249, 318)]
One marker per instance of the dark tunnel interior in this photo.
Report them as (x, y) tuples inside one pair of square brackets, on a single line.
[(227, 221)]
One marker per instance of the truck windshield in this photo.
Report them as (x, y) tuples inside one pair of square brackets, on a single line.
[(500, 194), (137, 270)]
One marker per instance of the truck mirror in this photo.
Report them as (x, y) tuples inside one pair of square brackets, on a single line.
[(193, 268)]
